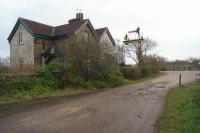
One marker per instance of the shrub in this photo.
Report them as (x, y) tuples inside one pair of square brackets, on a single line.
[(115, 81), (3, 85), (70, 79), (50, 70), (49, 75), (39, 90), (31, 86), (115, 77), (99, 84), (149, 69), (89, 59), (54, 76), (27, 86), (112, 78), (88, 85), (21, 84), (130, 72), (12, 86)]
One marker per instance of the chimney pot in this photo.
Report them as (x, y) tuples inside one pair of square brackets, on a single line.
[(79, 17)]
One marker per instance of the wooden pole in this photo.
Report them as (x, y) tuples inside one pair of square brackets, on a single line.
[(179, 80)]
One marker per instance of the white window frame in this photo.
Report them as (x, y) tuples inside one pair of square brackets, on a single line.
[(21, 38)]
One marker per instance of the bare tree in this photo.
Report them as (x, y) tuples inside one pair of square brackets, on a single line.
[(119, 52), (195, 62), (137, 51), (149, 45), (4, 62), (88, 59), (157, 61)]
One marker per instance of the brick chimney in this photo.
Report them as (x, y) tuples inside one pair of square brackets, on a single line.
[(79, 17)]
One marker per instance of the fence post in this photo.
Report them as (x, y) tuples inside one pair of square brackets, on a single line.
[(179, 80)]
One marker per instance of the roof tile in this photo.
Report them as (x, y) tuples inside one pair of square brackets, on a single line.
[(37, 28), (43, 29)]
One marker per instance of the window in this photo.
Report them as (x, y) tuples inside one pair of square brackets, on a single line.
[(21, 62), (20, 39), (85, 36), (43, 47)]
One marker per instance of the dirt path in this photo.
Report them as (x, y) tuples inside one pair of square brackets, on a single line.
[(127, 109)]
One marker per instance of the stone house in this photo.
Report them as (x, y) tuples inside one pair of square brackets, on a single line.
[(33, 43)]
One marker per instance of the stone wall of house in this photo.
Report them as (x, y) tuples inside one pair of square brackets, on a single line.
[(105, 40), (86, 33), (60, 45), (22, 54), (60, 48), (31, 50)]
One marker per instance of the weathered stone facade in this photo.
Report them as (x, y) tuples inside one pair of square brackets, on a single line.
[(105, 40), (41, 42), (22, 53), (30, 51)]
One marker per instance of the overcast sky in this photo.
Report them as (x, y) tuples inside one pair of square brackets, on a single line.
[(174, 24)]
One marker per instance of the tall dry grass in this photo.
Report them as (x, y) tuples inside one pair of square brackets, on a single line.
[(20, 69)]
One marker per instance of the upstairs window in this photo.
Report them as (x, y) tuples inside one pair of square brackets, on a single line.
[(20, 39), (85, 36), (43, 47)]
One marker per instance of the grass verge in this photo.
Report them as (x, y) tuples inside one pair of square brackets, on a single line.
[(23, 97), (19, 98), (145, 78), (182, 111)]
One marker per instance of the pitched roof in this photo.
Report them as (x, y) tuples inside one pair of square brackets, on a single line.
[(100, 32), (68, 28), (46, 31), (36, 28)]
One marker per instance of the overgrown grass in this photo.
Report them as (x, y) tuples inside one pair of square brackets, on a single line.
[(134, 72), (25, 95), (19, 97), (129, 81), (182, 111), (53, 79), (20, 69)]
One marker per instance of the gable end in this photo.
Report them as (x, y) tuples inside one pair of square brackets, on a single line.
[(15, 29)]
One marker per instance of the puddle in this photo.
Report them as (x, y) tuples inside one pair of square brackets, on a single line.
[(160, 86), (157, 87), (68, 110)]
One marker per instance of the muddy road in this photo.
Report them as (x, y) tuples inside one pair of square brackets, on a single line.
[(127, 109)]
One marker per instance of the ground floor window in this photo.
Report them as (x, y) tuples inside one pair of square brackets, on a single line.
[(21, 62)]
